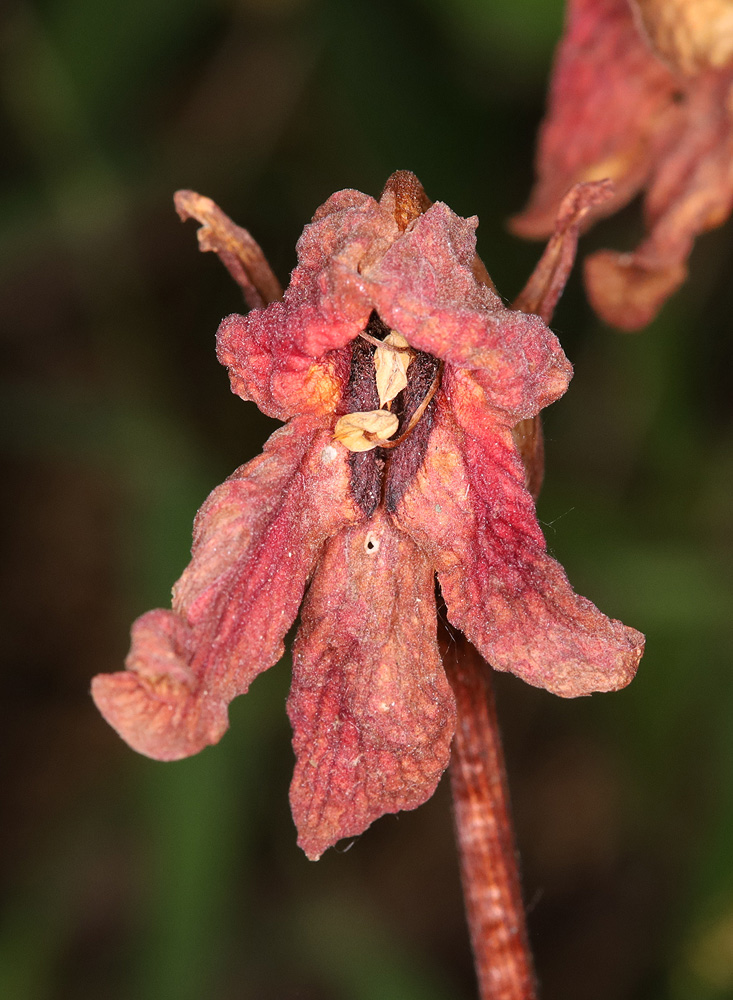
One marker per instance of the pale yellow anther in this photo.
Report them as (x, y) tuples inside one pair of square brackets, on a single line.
[(358, 431), (391, 367)]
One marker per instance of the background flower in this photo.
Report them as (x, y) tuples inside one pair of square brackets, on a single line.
[(640, 93)]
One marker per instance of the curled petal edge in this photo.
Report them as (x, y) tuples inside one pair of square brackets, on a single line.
[(256, 541), (476, 519)]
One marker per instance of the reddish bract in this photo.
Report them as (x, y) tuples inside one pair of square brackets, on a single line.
[(363, 533), (641, 94)]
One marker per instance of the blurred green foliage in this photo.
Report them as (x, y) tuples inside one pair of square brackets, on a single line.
[(123, 878)]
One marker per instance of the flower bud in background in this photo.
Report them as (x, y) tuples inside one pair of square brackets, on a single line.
[(640, 94)]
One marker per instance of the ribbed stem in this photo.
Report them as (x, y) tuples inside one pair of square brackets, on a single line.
[(484, 832)]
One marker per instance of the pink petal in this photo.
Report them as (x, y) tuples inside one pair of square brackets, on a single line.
[(256, 541), (265, 365), (288, 357), (372, 712), (271, 353), (468, 508), (426, 289)]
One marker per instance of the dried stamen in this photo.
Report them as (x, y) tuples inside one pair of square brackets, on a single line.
[(415, 416), (383, 344), (391, 361), (364, 431)]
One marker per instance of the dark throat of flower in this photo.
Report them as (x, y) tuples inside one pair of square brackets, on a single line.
[(382, 474)]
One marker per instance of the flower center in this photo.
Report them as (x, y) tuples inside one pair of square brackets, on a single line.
[(383, 464)]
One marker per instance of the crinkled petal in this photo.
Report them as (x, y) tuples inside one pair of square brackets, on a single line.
[(256, 541), (609, 97), (469, 509), (422, 282), (425, 288), (372, 712), (287, 357), (351, 229), (326, 302), (266, 367)]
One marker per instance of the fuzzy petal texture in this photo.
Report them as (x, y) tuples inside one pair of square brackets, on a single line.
[(327, 301), (661, 129), (470, 510), (425, 288), (286, 358), (266, 367), (353, 259), (256, 541), (372, 712)]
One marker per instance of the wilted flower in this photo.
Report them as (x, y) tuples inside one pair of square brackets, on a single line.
[(389, 312), (641, 94)]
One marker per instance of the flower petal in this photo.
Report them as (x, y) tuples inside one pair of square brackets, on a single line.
[(372, 712), (265, 365), (468, 508), (609, 97), (426, 289), (256, 541), (271, 353)]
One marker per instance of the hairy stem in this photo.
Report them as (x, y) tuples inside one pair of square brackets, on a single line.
[(484, 832)]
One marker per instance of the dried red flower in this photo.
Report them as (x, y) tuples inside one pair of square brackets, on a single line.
[(641, 94), (365, 531)]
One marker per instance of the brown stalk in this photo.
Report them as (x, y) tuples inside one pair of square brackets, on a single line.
[(236, 248), (486, 848)]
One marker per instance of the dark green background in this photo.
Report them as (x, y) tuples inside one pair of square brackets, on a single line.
[(125, 879)]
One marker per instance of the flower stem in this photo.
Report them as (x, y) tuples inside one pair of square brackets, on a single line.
[(484, 831)]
